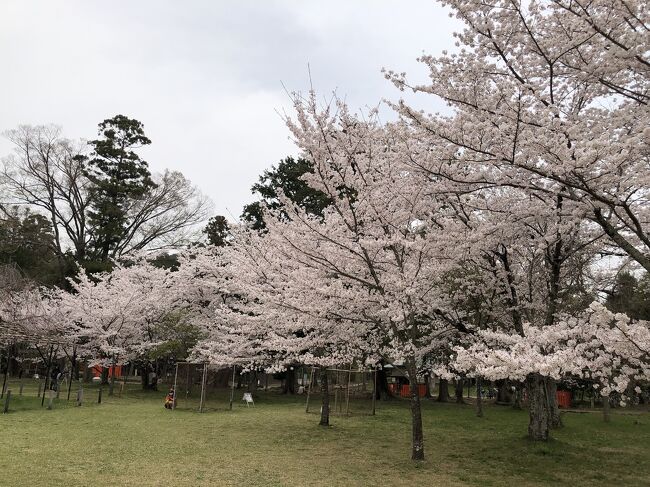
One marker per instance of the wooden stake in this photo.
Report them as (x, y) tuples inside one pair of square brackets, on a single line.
[(347, 393), (175, 383), (50, 399), (232, 388), (203, 380), (311, 381), (374, 393)]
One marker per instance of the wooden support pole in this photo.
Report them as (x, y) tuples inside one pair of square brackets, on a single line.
[(40, 385), (374, 393), (311, 382), (203, 381), (347, 393), (175, 383), (99, 395), (232, 387), (80, 394), (50, 399), (5, 409), (20, 391)]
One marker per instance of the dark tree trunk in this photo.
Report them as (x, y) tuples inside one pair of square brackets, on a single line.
[(221, 378), (554, 410), (443, 391), (504, 395), (87, 372), (382, 385), (252, 382), (144, 377), (479, 398), (606, 409), (459, 391), (539, 419), (325, 393), (104, 375), (417, 442), (289, 382)]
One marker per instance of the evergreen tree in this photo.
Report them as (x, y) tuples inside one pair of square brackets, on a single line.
[(118, 175), (287, 177), (217, 231)]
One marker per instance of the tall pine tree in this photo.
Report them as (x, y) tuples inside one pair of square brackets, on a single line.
[(118, 175)]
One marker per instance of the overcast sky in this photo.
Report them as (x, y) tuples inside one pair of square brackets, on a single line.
[(205, 77)]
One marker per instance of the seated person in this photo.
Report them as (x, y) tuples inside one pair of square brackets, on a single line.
[(170, 402)]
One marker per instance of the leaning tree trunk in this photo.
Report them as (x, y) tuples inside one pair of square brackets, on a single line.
[(417, 442), (459, 391), (539, 419), (325, 392), (553, 409), (443, 391)]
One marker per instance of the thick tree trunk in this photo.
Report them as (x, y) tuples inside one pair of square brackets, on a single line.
[(417, 442), (144, 377), (459, 391), (479, 398), (289, 382), (382, 385), (325, 393), (443, 391), (104, 375), (504, 395), (429, 389), (539, 419), (553, 409)]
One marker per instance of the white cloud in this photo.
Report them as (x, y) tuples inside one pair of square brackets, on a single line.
[(204, 77)]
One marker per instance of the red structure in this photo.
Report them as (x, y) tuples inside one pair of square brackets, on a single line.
[(563, 399), (114, 370), (405, 390)]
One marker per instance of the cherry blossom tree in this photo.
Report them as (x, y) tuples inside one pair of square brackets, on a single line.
[(550, 96), (111, 315)]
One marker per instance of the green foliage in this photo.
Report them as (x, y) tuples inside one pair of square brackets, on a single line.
[(286, 176), (218, 231), (27, 241), (117, 174), (176, 336), (631, 296)]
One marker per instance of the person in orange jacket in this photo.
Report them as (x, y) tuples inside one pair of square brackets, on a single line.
[(170, 400)]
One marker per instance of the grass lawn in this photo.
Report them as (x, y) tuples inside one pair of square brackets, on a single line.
[(133, 440)]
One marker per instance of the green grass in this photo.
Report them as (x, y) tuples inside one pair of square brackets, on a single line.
[(133, 440)]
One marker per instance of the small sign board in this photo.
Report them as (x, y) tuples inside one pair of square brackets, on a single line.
[(248, 397)]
